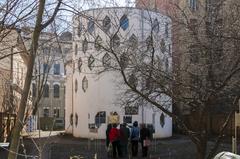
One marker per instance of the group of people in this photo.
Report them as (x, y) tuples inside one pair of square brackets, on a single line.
[(126, 139)]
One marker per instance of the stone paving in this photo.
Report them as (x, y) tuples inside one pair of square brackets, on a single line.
[(62, 147)]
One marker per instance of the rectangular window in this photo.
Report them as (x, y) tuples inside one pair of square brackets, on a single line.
[(34, 90), (100, 117), (45, 68), (46, 90), (131, 110), (56, 112), (127, 119), (46, 112), (56, 69), (192, 4), (46, 50)]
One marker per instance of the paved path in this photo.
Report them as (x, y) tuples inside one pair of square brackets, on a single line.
[(62, 147)]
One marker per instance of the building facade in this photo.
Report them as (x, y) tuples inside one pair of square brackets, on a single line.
[(203, 44), (92, 92), (12, 77), (48, 84)]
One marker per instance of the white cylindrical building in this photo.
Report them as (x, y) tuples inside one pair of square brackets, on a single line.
[(92, 98)]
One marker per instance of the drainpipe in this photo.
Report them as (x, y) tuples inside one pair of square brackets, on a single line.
[(11, 79), (72, 103)]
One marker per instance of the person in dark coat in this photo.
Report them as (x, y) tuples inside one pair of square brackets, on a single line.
[(144, 134), (109, 127), (114, 137), (135, 138), (124, 136)]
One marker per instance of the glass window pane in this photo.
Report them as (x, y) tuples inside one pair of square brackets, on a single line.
[(56, 69)]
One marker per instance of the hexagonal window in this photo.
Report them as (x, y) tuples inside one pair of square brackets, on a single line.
[(115, 41), (91, 62), (85, 45), (166, 64), (76, 85), (98, 43), (76, 49), (79, 29), (106, 23), (155, 26), (84, 84), (149, 43), (133, 42), (166, 30), (73, 67), (106, 60), (76, 119), (162, 120), (79, 64), (162, 46), (124, 22), (133, 80), (90, 25), (124, 61)]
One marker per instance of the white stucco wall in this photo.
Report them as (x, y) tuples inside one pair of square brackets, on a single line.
[(103, 90)]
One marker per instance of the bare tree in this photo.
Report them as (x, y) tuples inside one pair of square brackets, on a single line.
[(201, 84), (40, 24)]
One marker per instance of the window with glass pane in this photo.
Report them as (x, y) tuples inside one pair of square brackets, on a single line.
[(127, 119), (79, 65), (85, 45), (100, 118), (124, 60), (133, 80), (34, 90), (149, 43), (115, 41), (56, 91), (84, 84), (46, 112), (155, 26), (98, 43), (106, 23), (56, 69), (73, 67), (46, 90), (76, 85), (106, 60), (133, 42), (162, 120), (163, 46), (131, 110), (46, 50), (76, 119), (45, 68), (79, 29), (166, 64), (76, 49), (91, 62), (124, 22), (192, 4), (166, 30), (90, 25), (56, 112)]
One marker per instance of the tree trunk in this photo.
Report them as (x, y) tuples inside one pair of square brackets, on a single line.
[(28, 79), (21, 112)]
